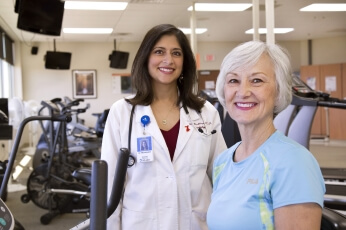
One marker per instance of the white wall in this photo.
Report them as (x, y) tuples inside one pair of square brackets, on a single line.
[(42, 84), (329, 51), (219, 50), (324, 51)]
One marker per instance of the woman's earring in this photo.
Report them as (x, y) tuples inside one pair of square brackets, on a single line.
[(181, 78)]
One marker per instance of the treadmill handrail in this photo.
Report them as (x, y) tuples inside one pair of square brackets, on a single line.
[(333, 104)]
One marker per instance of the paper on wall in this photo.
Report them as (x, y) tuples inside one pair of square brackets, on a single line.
[(311, 82), (116, 85), (209, 85), (330, 83)]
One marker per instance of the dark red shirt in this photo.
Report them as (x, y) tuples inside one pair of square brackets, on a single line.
[(171, 137)]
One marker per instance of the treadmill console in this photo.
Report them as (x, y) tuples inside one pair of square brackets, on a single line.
[(301, 89), (305, 94)]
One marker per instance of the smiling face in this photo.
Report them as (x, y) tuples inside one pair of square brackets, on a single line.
[(250, 93), (166, 60)]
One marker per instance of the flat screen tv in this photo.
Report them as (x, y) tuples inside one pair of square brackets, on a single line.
[(57, 60), (119, 59), (40, 16)]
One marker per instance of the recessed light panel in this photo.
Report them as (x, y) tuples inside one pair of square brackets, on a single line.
[(220, 6), (325, 7), (276, 30), (198, 30)]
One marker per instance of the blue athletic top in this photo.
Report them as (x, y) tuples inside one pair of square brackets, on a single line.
[(280, 172)]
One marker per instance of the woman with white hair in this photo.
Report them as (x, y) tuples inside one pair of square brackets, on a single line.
[(265, 181)]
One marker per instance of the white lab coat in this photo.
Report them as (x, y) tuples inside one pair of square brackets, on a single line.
[(163, 194)]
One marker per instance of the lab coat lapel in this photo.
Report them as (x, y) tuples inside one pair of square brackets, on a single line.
[(186, 130)]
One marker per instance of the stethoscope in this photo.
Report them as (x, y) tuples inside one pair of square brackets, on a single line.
[(199, 129), (145, 120), (132, 159)]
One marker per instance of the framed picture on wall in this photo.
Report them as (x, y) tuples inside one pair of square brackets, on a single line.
[(84, 83)]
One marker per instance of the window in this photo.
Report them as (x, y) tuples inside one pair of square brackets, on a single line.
[(6, 79), (6, 65)]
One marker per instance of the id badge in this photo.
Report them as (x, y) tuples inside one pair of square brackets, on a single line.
[(144, 149)]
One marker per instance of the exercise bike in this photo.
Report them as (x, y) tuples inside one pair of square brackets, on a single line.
[(58, 185), (83, 142)]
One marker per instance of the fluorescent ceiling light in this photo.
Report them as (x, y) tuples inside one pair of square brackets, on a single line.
[(198, 30), (276, 30), (80, 5), (325, 7), (87, 30), (220, 7)]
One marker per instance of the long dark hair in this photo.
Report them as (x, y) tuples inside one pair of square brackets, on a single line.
[(141, 79)]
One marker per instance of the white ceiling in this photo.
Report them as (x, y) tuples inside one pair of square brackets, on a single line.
[(141, 15)]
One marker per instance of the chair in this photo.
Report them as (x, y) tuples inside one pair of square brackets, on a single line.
[(300, 128), (283, 120), (230, 131)]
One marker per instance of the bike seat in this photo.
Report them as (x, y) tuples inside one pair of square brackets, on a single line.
[(83, 174)]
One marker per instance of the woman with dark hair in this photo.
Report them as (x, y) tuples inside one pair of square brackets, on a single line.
[(169, 186)]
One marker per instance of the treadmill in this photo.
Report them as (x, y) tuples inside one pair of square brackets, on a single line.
[(299, 117)]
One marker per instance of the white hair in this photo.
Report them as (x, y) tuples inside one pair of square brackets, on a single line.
[(247, 55)]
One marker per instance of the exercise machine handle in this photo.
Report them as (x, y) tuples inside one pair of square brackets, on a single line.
[(115, 196), (119, 181), (98, 201), (16, 143)]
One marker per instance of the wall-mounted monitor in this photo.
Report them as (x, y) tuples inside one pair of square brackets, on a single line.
[(118, 59), (57, 60), (40, 16)]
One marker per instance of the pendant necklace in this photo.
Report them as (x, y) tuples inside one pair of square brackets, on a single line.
[(164, 121)]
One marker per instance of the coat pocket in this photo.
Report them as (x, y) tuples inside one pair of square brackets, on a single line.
[(200, 152), (138, 220)]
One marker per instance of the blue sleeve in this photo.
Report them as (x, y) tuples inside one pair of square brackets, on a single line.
[(297, 178)]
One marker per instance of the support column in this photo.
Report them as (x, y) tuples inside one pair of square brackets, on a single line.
[(193, 36), (255, 20), (269, 5), (193, 29)]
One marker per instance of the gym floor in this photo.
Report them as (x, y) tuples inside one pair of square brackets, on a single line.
[(329, 154)]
